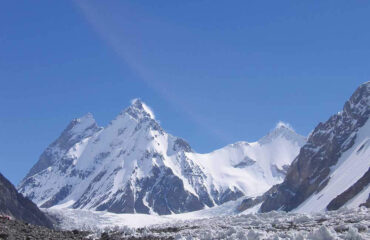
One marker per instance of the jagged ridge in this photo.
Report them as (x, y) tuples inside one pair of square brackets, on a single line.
[(334, 158), (134, 166)]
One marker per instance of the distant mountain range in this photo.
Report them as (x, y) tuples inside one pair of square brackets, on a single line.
[(134, 166)]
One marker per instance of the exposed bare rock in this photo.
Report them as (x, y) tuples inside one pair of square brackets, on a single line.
[(14, 204), (310, 171)]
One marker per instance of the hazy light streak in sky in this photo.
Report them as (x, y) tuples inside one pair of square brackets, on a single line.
[(113, 33)]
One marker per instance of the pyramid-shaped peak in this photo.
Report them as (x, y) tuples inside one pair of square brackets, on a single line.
[(284, 130), (86, 120), (139, 109), (87, 117), (363, 91), (137, 103), (83, 123), (281, 126), (359, 102)]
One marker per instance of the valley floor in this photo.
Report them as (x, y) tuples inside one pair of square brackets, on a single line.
[(207, 224), (14, 230)]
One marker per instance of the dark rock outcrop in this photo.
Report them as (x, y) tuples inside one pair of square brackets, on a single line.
[(249, 202), (309, 172), (13, 229), (367, 203), (356, 188), (163, 191), (63, 192), (14, 204)]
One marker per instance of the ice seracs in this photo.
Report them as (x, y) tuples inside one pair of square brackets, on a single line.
[(221, 223), (134, 166)]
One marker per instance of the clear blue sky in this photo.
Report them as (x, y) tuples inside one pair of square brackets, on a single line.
[(214, 72)]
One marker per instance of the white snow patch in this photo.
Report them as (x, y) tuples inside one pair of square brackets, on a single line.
[(351, 166)]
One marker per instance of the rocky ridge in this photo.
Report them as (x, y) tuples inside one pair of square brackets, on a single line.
[(134, 166), (335, 155), (15, 205)]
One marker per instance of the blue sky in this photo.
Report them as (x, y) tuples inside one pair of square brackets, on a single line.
[(214, 72)]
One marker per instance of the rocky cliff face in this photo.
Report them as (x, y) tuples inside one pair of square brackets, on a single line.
[(14, 204), (134, 166), (331, 169)]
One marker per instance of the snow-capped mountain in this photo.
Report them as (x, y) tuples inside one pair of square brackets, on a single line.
[(250, 168), (72, 138), (134, 166), (333, 168)]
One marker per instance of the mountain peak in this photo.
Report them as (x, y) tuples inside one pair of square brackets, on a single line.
[(359, 102), (87, 116), (283, 126), (136, 102), (133, 165), (334, 162), (284, 130), (80, 124), (139, 109)]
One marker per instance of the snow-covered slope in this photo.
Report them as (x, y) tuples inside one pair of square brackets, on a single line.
[(251, 167), (351, 166), (134, 166), (52, 177), (333, 168)]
